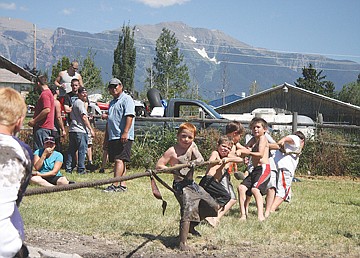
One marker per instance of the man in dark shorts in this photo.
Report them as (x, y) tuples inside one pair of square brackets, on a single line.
[(119, 133)]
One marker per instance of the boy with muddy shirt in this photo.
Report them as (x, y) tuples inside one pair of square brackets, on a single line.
[(187, 192), (256, 183)]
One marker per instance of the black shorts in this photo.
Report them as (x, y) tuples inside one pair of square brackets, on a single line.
[(119, 150), (258, 178), (52, 179), (215, 189)]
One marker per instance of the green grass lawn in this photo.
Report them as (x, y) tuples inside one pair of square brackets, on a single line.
[(324, 215)]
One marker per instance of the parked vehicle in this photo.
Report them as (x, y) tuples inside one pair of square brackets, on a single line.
[(170, 114), (279, 122)]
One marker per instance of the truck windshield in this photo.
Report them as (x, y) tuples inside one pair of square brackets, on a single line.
[(212, 111)]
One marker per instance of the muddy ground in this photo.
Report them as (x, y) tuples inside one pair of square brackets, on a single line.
[(91, 247)]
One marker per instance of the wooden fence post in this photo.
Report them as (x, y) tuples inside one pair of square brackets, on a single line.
[(294, 121)]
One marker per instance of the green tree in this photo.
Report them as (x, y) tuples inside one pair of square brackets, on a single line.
[(167, 73), (315, 82), (61, 65), (351, 92), (125, 58), (91, 74)]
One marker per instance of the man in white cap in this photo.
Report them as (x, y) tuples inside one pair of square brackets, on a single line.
[(119, 133)]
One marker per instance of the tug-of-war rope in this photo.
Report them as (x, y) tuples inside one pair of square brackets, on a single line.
[(148, 172)]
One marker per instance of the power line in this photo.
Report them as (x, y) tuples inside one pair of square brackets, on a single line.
[(213, 52), (206, 44)]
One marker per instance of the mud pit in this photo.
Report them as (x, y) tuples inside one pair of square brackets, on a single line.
[(93, 247)]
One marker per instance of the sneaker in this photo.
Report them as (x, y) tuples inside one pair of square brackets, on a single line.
[(91, 167), (71, 182), (113, 188), (84, 172), (101, 170)]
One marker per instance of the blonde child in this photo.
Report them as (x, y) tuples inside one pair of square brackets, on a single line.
[(15, 172)]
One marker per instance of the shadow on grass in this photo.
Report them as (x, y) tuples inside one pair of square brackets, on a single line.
[(168, 242), (235, 212), (346, 203)]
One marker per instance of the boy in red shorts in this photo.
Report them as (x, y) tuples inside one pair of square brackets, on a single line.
[(256, 183)]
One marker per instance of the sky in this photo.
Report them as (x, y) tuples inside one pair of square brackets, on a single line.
[(326, 27)]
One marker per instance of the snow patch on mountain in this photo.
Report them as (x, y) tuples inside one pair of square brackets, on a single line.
[(203, 53)]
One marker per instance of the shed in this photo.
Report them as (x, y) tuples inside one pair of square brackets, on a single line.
[(288, 98)]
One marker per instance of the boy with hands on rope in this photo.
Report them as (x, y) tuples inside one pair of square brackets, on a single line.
[(215, 181), (256, 182), (286, 159), (195, 202)]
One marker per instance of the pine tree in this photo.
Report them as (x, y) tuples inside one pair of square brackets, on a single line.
[(351, 92), (167, 73), (125, 58), (61, 65), (315, 82), (91, 74)]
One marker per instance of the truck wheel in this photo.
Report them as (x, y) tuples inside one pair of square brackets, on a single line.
[(154, 98)]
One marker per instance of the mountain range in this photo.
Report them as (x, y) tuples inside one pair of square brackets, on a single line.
[(218, 64)]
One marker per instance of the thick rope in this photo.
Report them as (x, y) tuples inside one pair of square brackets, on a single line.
[(60, 188)]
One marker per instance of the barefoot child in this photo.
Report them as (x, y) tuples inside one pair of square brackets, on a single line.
[(188, 193), (286, 159), (215, 175), (256, 183)]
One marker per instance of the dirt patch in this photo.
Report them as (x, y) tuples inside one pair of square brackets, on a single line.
[(93, 247)]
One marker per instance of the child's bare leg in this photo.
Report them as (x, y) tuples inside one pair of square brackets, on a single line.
[(270, 196), (259, 203), (184, 230), (227, 207), (214, 221), (242, 197), (247, 203), (276, 203)]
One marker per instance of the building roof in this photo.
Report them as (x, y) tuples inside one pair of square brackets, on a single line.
[(7, 76), (283, 87), (228, 99), (10, 66)]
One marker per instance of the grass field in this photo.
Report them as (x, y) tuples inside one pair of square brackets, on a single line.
[(323, 219)]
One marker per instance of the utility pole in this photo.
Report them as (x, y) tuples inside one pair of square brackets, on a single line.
[(34, 26), (151, 77)]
